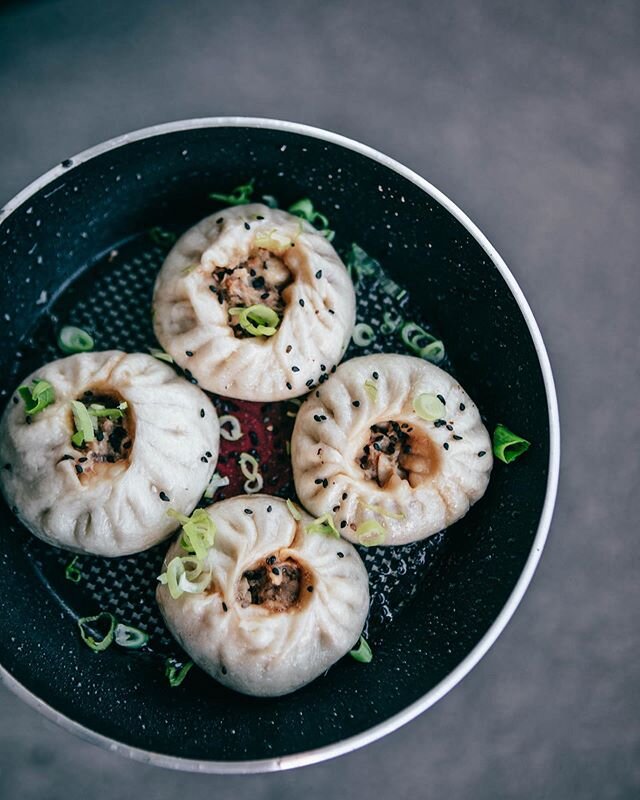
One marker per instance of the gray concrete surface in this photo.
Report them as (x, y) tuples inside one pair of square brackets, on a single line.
[(527, 116)]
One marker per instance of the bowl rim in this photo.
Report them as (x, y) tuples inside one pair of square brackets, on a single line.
[(409, 713)]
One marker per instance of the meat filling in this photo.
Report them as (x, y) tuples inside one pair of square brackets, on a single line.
[(275, 585), (113, 437), (397, 452), (260, 280)]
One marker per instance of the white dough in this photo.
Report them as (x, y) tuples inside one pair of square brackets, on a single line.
[(316, 323), (447, 474), (254, 649), (110, 509)]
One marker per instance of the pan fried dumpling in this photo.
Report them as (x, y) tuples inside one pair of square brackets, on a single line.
[(271, 606), (260, 298), (394, 446), (150, 442)]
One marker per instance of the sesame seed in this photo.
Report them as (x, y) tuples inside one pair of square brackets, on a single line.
[(482, 453), (289, 386), (275, 570), (208, 454), (375, 376), (247, 226), (83, 459), (322, 368), (219, 220), (309, 588), (309, 383), (202, 412), (449, 427), (15, 399), (268, 509), (164, 497), (340, 555), (288, 349), (441, 399), (343, 524), (301, 301), (213, 289), (79, 469), (317, 417), (248, 511), (259, 217), (188, 353), (333, 369), (204, 459), (295, 369), (224, 607), (462, 406), (355, 403), (319, 274), (325, 483), (344, 495), (439, 423), (456, 437), (318, 481), (446, 445)]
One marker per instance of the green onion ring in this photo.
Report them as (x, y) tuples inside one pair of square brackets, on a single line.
[(131, 638), (363, 334), (362, 652), (74, 340), (84, 625), (507, 445), (428, 407)]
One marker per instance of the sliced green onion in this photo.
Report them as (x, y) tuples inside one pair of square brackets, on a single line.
[(198, 531), (507, 446), (84, 425), (238, 197), (272, 240), (188, 270), (296, 402), (361, 264), (421, 342), (380, 511), (370, 533), (371, 389), (362, 652), (391, 288), (253, 485), (36, 397), (269, 200), (304, 209), (258, 320), (216, 482), (324, 525), (71, 571), (160, 355), (363, 334), (87, 630), (161, 237), (96, 410), (131, 638), (428, 406), (175, 672), (294, 510), (248, 465), (391, 323), (74, 340), (185, 574), (234, 432)]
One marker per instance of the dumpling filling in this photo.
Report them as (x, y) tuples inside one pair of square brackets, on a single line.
[(275, 585), (260, 280), (397, 452), (113, 438)]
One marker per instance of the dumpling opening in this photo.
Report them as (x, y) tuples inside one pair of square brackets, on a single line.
[(113, 436), (258, 280), (278, 584), (397, 451)]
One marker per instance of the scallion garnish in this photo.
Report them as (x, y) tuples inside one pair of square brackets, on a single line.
[(294, 510), (507, 446), (371, 389), (234, 431), (131, 638), (422, 343), (96, 410), (273, 240), (198, 531), (370, 533), (89, 628), (216, 482), (305, 210), (380, 511), (391, 288), (363, 334), (160, 355), (71, 571), (361, 264), (161, 237), (74, 340), (185, 574), (176, 672), (258, 320), (239, 196), (428, 407), (251, 470), (36, 397), (84, 425), (362, 652), (269, 200), (390, 323), (324, 525)]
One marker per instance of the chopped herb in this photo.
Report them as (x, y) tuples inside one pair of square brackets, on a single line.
[(131, 638), (161, 355), (198, 531), (428, 407), (175, 672), (294, 510), (89, 630), (238, 197), (362, 652), (234, 431), (324, 525), (216, 482), (74, 340), (161, 237), (269, 200), (507, 446), (421, 342), (84, 426), (363, 334), (71, 572), (371, 389), (304, 209), (37, 397), (370, 533), (360, 264), (258, 320)]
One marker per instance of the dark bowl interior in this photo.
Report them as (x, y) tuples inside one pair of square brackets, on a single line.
[(165, 179)]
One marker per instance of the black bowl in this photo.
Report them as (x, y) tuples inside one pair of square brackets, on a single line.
[(473, 577)]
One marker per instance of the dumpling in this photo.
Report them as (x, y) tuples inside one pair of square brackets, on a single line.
[(260, 298), (277, 606), (393, 446), (150, 442)]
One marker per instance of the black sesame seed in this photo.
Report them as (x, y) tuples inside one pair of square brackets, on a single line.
[(462, 406), (219, 220), (309, 588), (482, 453), (344, 495), (275, 570), (331, 311), (335, 509), (223, 670), (269, 509), (318, 481), (449, 427), (247, 226), (28, 420), (204, 460), (317, 417), (202, 412), (446, 445), (295, 369), (375, 376), (248, 511), (208, 454), (301, 301), (343, 524), (325, 483), (254, 439), (289, 386), (259, 217), (188, 353), (340, 555), (456, 437), (439, 423), (333, 369), (258, 283), (224, 607), (164, 497), (317, 394), (288, 349), (78, 469), (355, 403), (213, 289), (83, 459), (99, 436), (309, 383), (441, 399), (323, 368), (67, 457)]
